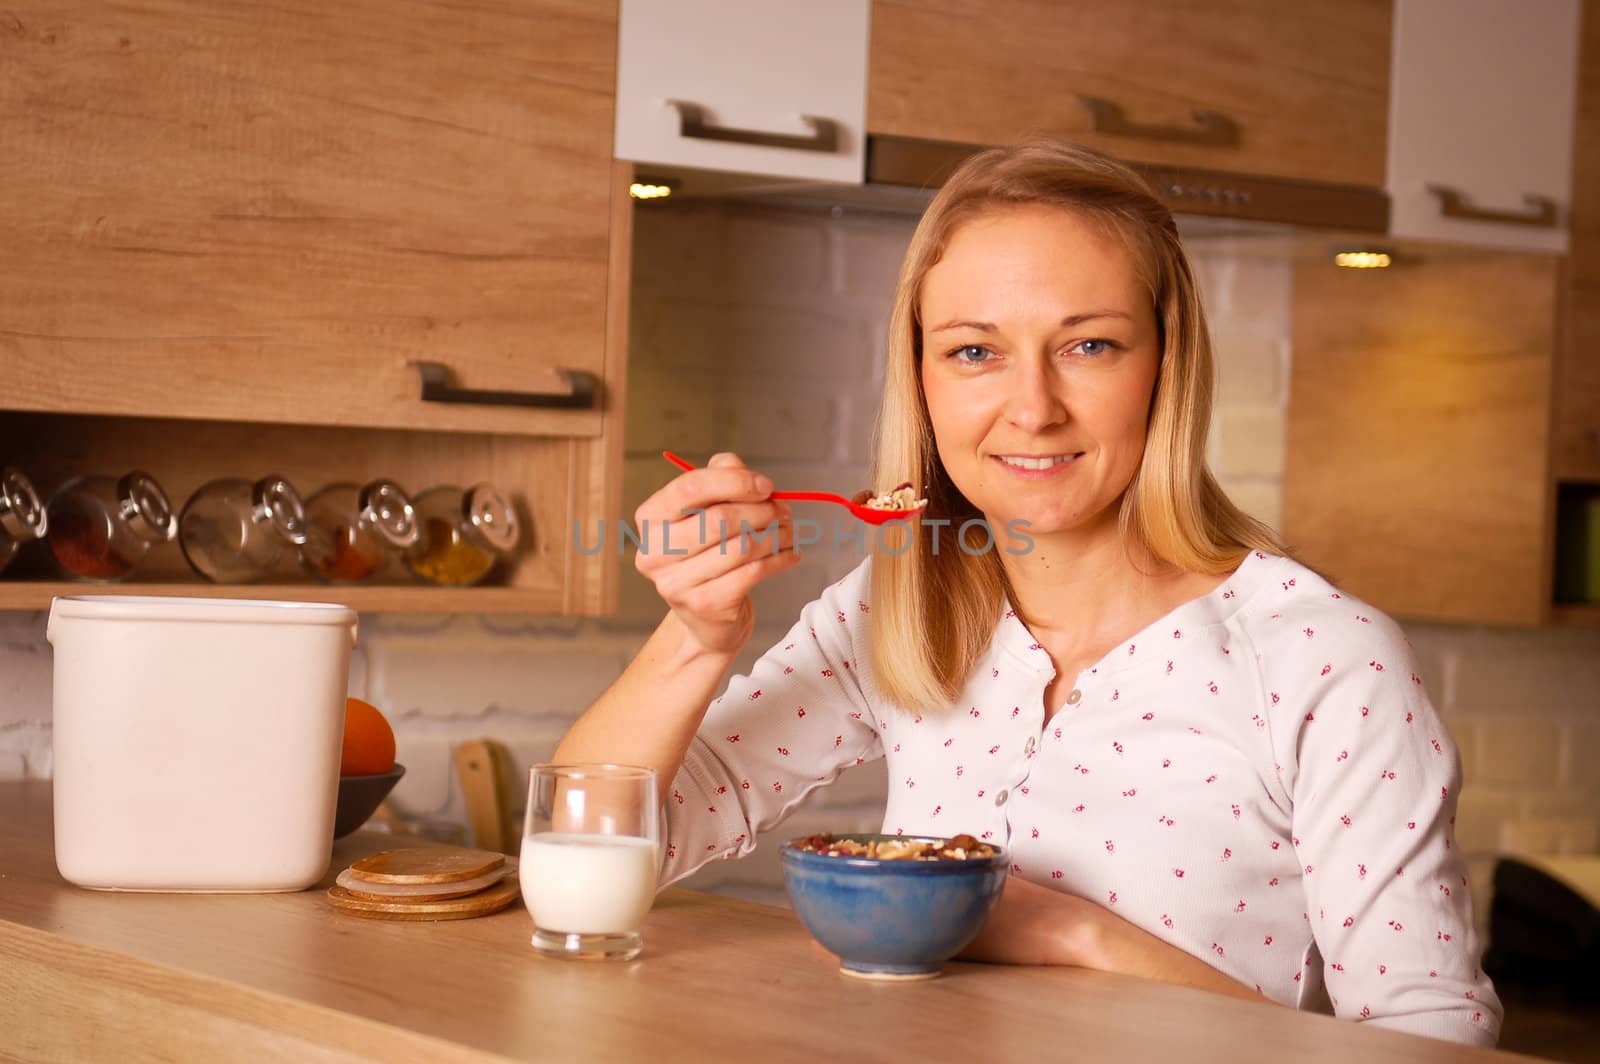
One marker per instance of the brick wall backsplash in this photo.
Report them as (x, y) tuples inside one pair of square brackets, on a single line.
[(760, 330)]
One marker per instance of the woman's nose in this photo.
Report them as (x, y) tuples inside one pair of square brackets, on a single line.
[(1033, 404)]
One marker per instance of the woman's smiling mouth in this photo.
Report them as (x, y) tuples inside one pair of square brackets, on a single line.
[(1024, 463)]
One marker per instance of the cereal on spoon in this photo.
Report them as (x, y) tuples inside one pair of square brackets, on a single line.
[(903, 497)]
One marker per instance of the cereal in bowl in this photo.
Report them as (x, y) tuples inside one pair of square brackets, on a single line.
[(959, 848)]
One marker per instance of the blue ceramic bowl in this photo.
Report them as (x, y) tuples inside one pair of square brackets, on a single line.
[(892, 919)]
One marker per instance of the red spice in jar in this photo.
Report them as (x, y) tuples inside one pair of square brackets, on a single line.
[(82, 546), (348, 562)]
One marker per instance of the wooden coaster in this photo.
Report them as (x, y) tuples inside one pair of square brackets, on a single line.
[(427, 864), (480, 904), (423, 891)]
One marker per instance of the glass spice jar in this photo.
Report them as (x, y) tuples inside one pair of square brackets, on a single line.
[(351, 531), (233, 531), (22, 514), (463, 534), (100, 528)]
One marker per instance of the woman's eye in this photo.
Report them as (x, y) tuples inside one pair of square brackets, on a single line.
[(1094, 347), (971, 354)]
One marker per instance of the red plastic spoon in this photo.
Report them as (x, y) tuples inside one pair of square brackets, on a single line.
[(864, 513)]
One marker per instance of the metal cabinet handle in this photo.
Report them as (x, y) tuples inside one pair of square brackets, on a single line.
[(1210, 128), (824, 135), (1452, 204), (582, 391)]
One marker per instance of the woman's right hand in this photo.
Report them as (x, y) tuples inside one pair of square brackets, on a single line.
[(707, 577)]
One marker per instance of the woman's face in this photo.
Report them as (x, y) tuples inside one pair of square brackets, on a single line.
[(1039, 357)]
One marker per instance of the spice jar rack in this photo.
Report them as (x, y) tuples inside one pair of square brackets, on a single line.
[(540, 475)]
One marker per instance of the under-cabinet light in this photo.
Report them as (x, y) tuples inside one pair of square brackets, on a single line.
[(649, 190), (1363, 260)]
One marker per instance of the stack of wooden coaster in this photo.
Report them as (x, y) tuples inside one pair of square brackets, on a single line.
[(427, 883)]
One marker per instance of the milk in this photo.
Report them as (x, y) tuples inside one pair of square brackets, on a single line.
[(587, 884)]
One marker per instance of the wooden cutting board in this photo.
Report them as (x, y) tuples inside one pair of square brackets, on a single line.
[(486, 772)]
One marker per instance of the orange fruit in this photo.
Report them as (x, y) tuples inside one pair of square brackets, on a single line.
[(368, 740)]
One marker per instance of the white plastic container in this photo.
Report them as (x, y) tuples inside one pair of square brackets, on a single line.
[(197, 741)]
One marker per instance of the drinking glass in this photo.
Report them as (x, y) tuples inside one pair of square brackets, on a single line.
[(590, 858)]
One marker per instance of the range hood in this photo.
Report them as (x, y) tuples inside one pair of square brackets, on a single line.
[(902, 174), (903, 162)]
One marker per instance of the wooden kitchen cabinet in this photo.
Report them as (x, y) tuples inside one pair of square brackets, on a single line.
[(1439, 409), (1252, 87), (1577, 438), (1417, 468), (1480, 137), (235, 230), (1577, 433)]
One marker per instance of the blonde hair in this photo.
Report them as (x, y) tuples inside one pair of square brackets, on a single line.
[(934, 614)]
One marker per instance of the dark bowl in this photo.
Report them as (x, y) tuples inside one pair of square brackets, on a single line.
[(359, 798), (892, 919)]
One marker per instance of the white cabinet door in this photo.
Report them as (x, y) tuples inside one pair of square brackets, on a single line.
[(1481, 121), (754, 86)]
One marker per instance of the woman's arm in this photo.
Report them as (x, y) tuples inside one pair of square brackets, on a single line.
[(733, 765), (649, 715), (1374, 780), (1038, 925), (793, 723)]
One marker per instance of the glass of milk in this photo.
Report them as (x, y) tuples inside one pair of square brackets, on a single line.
[(590, 858)]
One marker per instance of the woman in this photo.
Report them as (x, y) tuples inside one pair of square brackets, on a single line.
[(1209, 765)]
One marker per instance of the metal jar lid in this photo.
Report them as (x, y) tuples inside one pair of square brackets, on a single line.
[(274, 501), (385, 508), (491, 518), (22, 514), (145, 508)]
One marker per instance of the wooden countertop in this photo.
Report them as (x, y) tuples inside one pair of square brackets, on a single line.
[(86, 975)]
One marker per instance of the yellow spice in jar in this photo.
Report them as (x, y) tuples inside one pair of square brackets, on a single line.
[(444, 556)]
